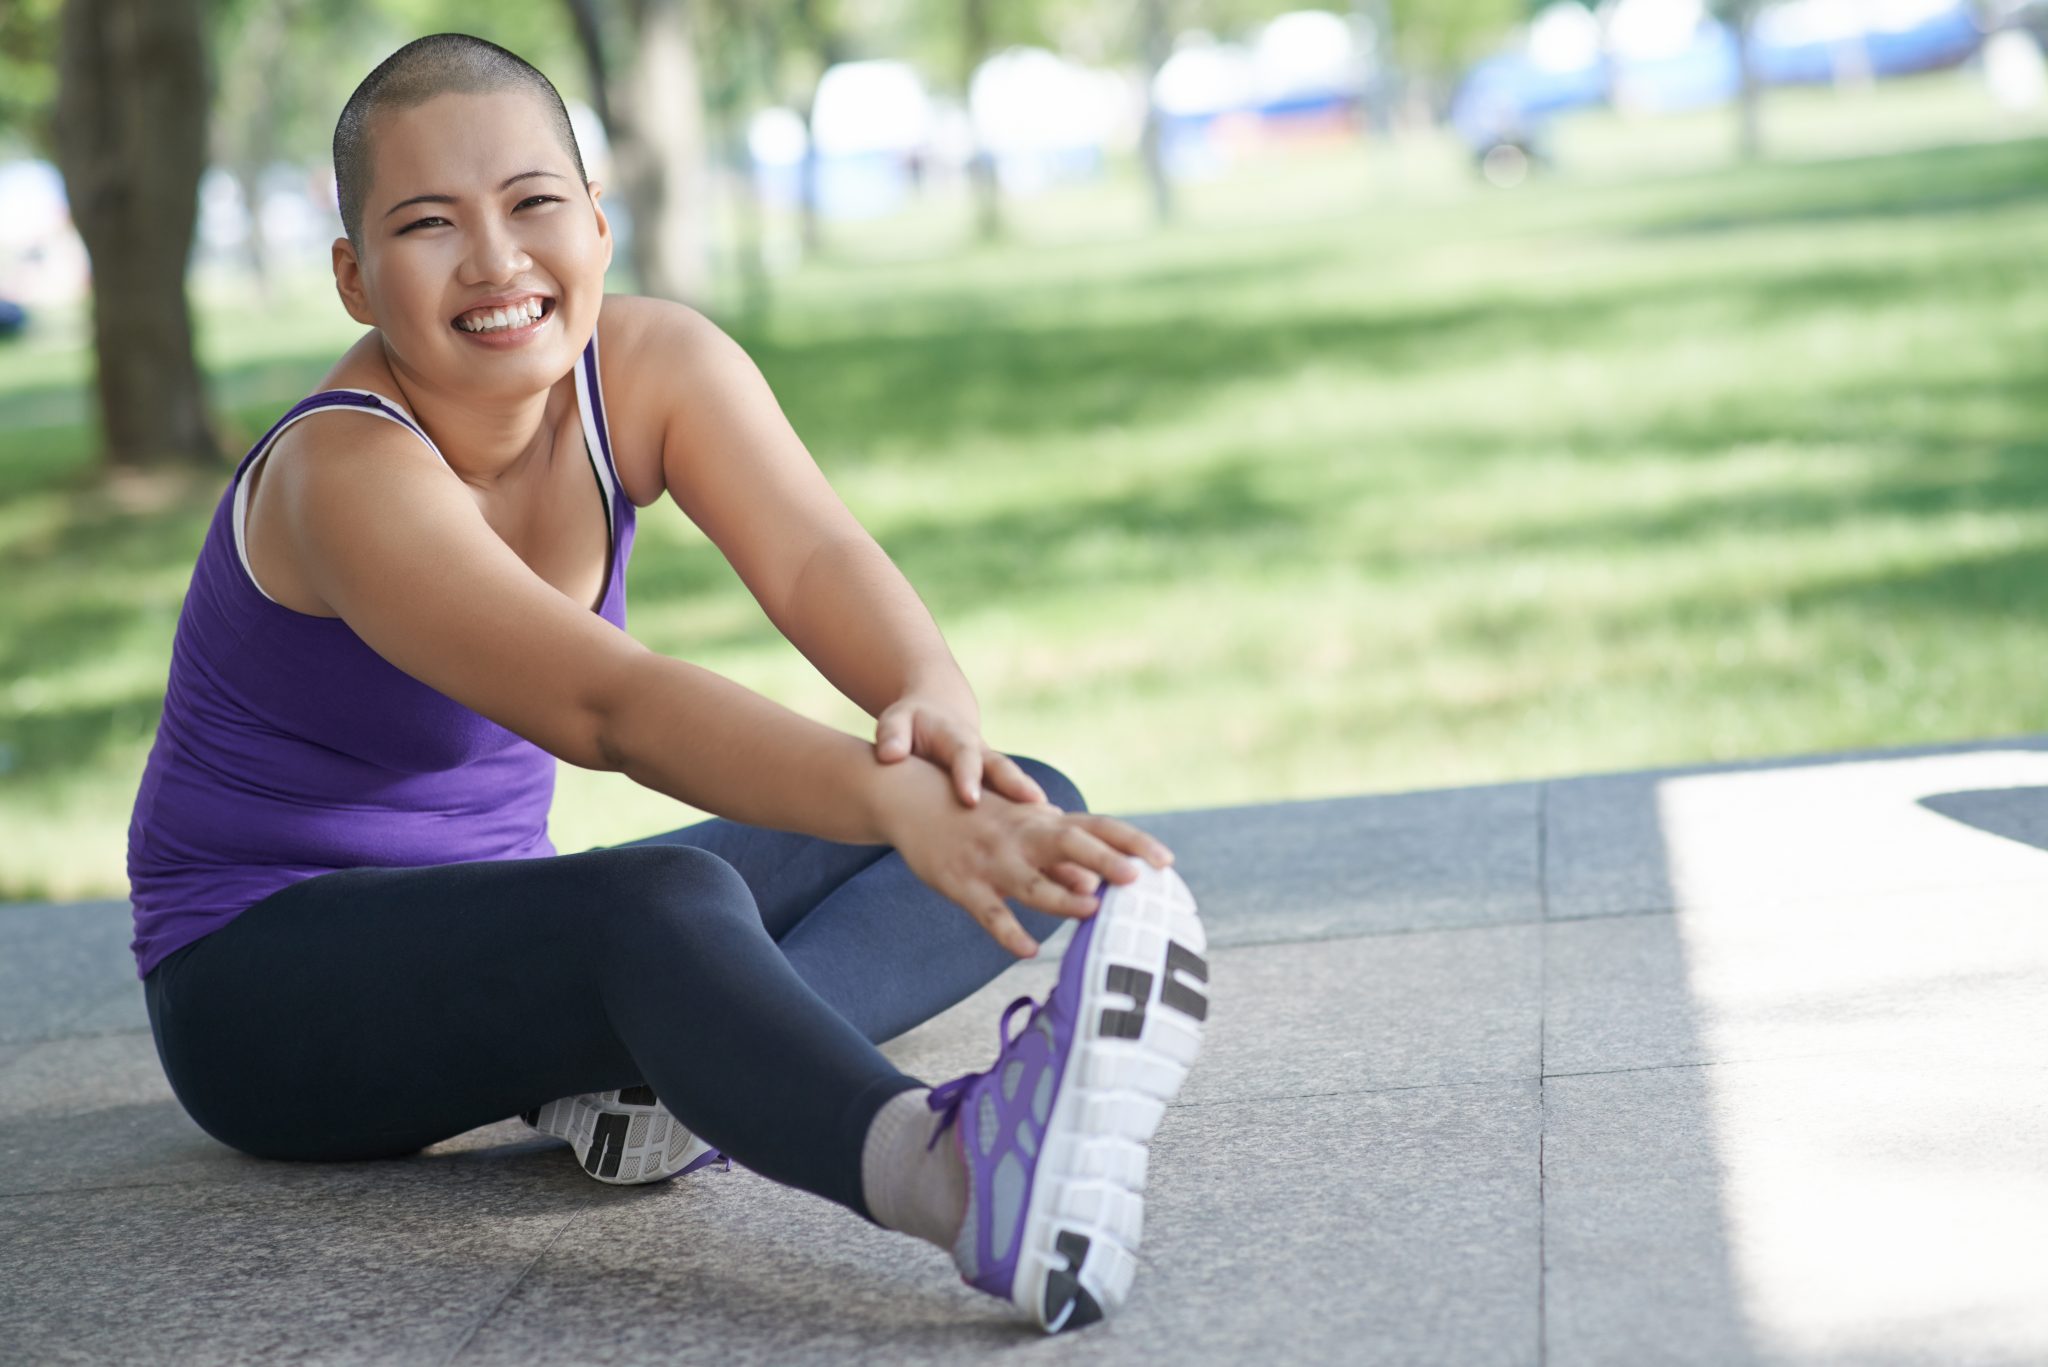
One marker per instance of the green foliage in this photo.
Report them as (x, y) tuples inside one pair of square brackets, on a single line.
[(28, 74), (1442, 36)]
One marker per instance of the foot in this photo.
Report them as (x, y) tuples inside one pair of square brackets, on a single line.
[(1054, 1134), (623, 1137)]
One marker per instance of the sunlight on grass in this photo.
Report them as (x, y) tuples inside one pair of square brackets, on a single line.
[(1363, 477)]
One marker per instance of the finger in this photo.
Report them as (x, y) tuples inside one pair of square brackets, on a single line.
[(967, 773), (1079, 844), (1036, 889), (1128, 838), (1008, 777), (1074, 876), (996, 918), (892, 739)]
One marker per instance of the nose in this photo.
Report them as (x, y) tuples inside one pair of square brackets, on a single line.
[(495, 252)]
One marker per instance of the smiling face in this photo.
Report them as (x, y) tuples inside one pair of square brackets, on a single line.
[(493, 232)]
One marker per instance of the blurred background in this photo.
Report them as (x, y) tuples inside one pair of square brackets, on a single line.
[(1269, 401)]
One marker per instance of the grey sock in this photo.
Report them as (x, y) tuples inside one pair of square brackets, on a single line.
[(909, 1187)]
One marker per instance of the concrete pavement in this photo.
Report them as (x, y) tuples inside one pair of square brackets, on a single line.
[(1735, 1065)]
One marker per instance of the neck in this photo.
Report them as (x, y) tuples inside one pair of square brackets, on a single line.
[(485, 441)]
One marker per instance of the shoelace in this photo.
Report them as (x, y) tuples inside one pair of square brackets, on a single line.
[(948, 1096)]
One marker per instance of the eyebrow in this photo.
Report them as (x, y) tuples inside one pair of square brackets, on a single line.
[(507, 184)]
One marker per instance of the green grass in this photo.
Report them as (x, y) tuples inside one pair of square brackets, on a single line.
[(1364, 478)]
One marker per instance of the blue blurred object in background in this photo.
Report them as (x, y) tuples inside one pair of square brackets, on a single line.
[(1505, 99)]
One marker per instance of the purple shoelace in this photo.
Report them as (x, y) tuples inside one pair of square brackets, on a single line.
[(948, 1096)]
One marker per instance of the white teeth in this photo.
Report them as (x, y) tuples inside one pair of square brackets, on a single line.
[(517, 315)]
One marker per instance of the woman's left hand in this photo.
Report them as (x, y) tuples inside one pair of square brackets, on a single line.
[(913, 725)]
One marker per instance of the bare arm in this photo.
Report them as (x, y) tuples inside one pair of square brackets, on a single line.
[(374, 515), (722, 748), (854, 616), (731, 461)]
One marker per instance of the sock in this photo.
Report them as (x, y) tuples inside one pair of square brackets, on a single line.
[(909, 1187)]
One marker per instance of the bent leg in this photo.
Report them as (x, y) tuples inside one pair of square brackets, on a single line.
[(872, 938), (788, 872), (370, 1012)]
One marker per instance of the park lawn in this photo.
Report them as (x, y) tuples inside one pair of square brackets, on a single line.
[(1346, 484)]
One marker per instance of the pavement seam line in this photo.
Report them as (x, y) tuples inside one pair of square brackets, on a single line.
[(524, 1272), (1220, 944)]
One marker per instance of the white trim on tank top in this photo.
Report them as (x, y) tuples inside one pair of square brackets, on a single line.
[(393, 413), (600, 452)]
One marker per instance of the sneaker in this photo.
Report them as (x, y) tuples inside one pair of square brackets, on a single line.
[(623, 1137), (1054, 1133)]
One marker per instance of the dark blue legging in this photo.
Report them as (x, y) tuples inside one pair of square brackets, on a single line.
[(745, 974)]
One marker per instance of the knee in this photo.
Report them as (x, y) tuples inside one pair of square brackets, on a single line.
[(1059, 789), (659, 893)]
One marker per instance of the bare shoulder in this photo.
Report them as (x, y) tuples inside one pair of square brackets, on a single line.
[(333, 438), (655, 356)]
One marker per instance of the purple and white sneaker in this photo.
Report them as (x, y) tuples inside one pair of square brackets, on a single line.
[(623, 1137), (1054, 1133)]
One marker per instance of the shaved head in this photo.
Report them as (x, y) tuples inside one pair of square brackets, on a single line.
[(439, 64)]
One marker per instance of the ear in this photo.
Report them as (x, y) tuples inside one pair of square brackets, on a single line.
[(604, 226), (348, 282)]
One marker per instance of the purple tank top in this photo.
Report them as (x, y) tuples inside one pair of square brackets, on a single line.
[(289, 748)]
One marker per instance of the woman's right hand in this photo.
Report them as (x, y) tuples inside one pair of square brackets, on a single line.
[(1031, 852)]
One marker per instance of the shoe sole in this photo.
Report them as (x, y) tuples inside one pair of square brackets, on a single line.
[(624, 1137), (1144, 999)]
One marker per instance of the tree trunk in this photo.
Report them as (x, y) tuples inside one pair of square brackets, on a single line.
[(255, 247), (752, 48), (131, 143), (658, 153), (589, 27), (1752, 141), (245, 138), (981, 162), (812, 229), (831, 50), (1158, 38)]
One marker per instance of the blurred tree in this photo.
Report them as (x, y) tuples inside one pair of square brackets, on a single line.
[(1434, 40), (1155, 46), (823, 38), (259, 120), (130, 138), (739, 49), (977, 37), (653, 111), (1740, 16)]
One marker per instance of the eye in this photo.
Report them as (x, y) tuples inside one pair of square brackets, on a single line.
[(532, 199)]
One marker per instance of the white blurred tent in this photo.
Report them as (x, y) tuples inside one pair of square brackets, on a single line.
[(1308, 58), (1204, 78), (870, 121), (871, 106), (1044, 118), (1649, 30)]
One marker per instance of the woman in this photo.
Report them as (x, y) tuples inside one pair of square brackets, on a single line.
[(354, 935)]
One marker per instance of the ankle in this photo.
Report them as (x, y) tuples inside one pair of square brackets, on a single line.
[(910, 1183)]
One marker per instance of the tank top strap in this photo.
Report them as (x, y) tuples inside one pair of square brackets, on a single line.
[(597, 437)]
